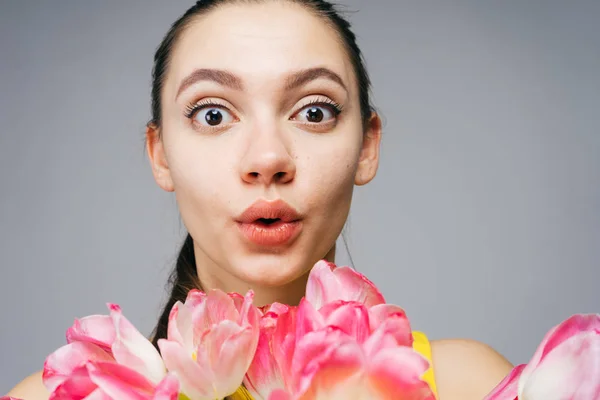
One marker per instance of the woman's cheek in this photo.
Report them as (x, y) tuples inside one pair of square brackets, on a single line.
[(198, 186), (330, 182)]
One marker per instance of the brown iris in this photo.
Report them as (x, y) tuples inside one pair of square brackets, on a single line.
[(214, 117), (314, 114)]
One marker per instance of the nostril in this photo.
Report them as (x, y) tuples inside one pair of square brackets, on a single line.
[(280, 177)]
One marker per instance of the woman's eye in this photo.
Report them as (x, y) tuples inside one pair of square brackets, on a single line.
[(315, 114), (213, 116)]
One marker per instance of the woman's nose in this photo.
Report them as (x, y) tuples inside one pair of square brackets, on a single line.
[(267, 160)]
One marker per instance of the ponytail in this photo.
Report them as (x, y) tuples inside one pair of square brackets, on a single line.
[(183, 279)]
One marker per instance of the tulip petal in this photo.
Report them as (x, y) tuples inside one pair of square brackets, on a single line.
[(239, 300), (195, 298), (320, 351), (216, 307), (308, 319), (280, 394), (133, 350), (167, 389), (98, 394), (96, 329), (196, 381), (284, 343), (569, 371), (263, 375), (379, 341), (508, 387), (350, 317), (62, 363), (248, 313), (333, 383), (77, 385), (330, 384), (230, 349), (558, 334), (217, 337), (394, 321), (180, 328), (399, 370), (173, 332), (120, 382), (276, 308), (327, 283), (561, 332)]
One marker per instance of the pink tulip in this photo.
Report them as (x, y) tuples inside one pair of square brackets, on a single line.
[(330, 364), (327, 283), (112, 381), (97, 357), (210, 343), (286, 342), (566, 365), (264, 374), (364, 330)]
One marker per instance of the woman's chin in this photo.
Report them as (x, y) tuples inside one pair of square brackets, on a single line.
[(271, 271)]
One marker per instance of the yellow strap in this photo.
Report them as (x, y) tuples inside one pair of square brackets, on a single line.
[(422, 346)]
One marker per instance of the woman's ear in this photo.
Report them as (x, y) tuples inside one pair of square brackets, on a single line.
[(158, 158), (369, 154)]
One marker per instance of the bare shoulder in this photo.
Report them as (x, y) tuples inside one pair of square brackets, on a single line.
[(30, 388), (467, 369)]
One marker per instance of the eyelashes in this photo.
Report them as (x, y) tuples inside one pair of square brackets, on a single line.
[(193, 108), (332, 108), (335, 107)]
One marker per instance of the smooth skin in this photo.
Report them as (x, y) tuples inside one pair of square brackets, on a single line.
[(249, 112)]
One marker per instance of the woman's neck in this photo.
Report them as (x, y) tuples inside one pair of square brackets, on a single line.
[(213, 276)]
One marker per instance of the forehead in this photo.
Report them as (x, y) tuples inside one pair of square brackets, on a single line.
[(259, 42)]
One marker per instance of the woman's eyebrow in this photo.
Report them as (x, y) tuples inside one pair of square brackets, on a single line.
[(228, 79), (300, 78), (223, 78)]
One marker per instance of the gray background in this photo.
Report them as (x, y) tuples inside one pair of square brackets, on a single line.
[(484, 220)]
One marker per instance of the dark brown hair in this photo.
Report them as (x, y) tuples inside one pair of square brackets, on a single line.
[(184, 277)]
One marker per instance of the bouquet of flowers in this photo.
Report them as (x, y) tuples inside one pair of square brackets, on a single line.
[(343, 341)]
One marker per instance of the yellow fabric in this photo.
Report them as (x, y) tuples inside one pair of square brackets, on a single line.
[(422, 346), (241, 394)]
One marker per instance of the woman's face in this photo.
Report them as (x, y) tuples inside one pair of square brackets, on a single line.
[(260, 103)]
